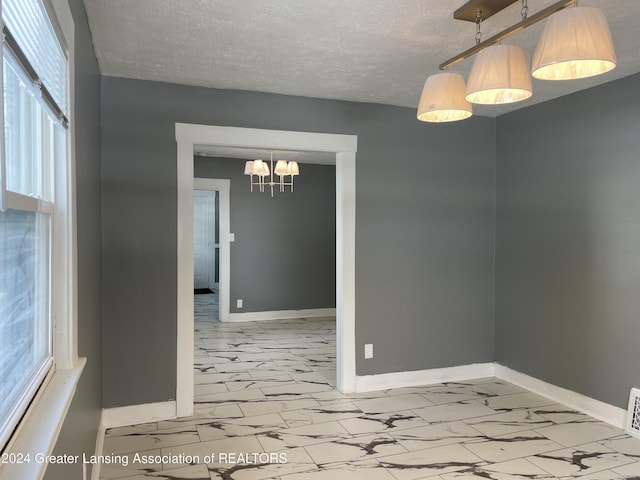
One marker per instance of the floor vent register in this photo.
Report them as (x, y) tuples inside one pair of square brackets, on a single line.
[(633, 418)]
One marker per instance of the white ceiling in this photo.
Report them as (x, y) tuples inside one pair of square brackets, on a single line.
[(323, 158), (377, 51)]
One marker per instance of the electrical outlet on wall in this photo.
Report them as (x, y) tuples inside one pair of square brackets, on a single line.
[(239, 303), (368, 350)]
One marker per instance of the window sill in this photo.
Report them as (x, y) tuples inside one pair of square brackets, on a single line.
[(39, 430)]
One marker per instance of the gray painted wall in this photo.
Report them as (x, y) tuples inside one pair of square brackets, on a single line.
[(80, 429), (568, 241), (424, 228), (284, 253)]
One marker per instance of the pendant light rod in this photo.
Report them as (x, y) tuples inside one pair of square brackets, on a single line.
[(512, 30)]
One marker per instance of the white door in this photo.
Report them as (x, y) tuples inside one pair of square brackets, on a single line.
[(215, 247), (220, 187), (203, 248)]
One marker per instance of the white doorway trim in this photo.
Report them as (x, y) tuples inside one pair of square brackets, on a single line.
[(224, 187), (345, 147)]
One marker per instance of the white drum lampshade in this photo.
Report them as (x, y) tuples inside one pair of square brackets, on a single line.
[(442, 99), (575, 43), (500, 74)]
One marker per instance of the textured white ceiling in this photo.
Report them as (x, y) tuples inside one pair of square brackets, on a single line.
[(378, 51)]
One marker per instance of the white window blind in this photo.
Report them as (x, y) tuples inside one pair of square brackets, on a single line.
[(25, 336), (29, 24), (34, 78)]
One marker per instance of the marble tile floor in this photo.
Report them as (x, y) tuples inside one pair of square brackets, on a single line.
[(206, 307), (266, 408)]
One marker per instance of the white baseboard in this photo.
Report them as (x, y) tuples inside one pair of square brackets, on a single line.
[(95, 468), (282, 314), (136, 414), (370, 383), (616, 416), (611, 414)]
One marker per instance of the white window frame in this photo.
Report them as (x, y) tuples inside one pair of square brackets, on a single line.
[(38, 430)]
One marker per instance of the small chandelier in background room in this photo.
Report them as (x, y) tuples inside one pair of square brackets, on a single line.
[(263, 169), (575, 43)]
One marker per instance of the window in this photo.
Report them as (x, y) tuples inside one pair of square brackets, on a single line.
[(32, 198)]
